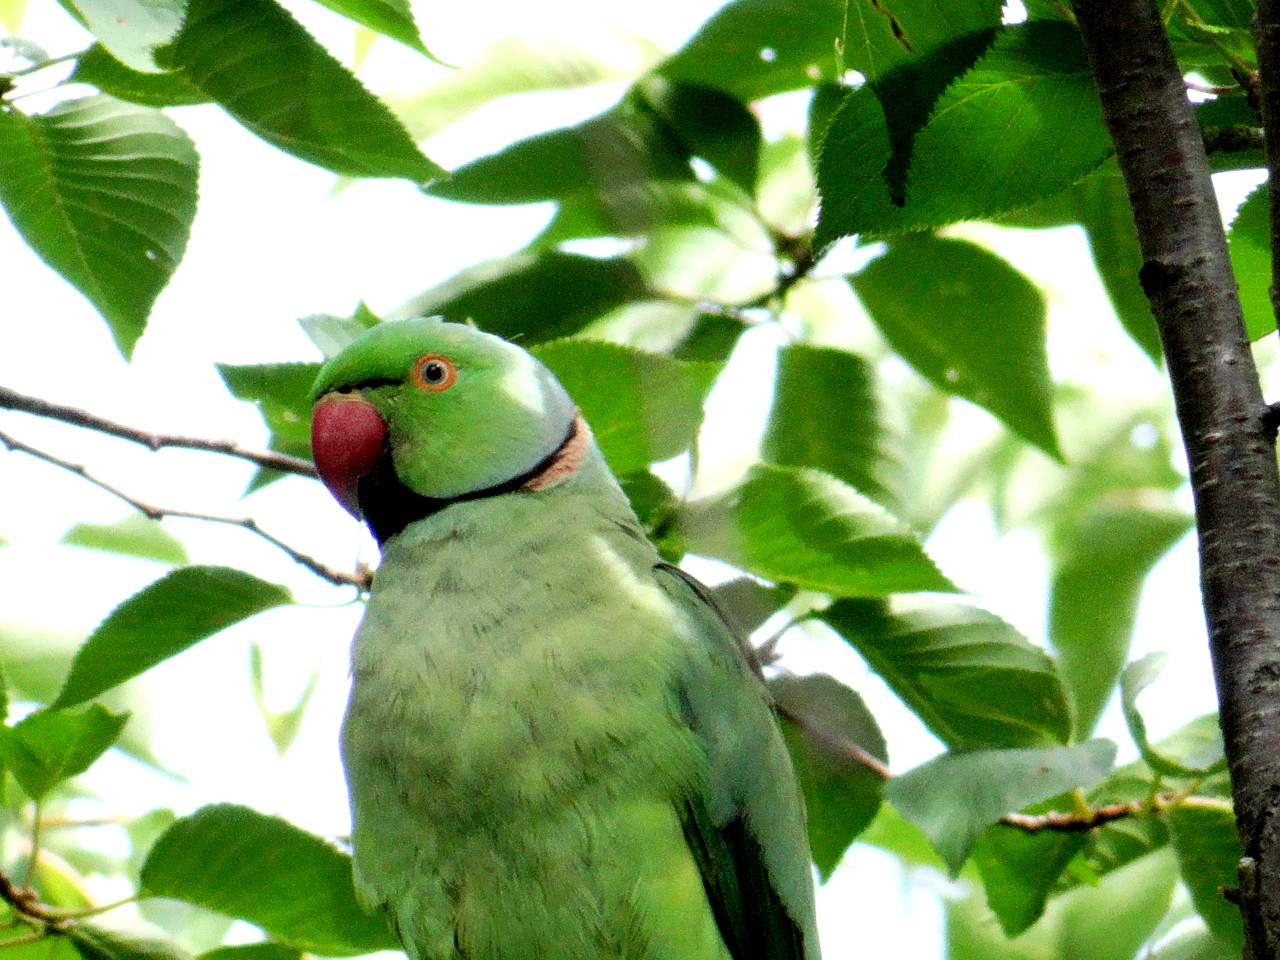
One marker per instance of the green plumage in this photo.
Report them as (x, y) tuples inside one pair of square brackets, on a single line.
[(555, 748)]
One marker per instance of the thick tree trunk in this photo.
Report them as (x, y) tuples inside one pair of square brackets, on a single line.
[(1229, 438)]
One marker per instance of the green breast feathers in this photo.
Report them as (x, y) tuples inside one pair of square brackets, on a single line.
[(555, 748)]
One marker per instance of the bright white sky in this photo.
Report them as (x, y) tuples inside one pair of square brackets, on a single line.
[(269, 246)]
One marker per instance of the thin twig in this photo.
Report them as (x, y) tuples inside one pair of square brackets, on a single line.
[(12, 400), (30, 872), (361, 580), (1059, 822)]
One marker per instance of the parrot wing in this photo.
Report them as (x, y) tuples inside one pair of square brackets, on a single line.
[(747, 829)]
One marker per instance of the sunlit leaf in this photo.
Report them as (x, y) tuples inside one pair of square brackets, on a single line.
[(1249, 242), (105, 192), (50, 746), (1208, 848), (160, 621), (136, 535), (391, 18)]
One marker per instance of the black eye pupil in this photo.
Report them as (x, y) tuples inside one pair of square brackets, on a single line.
[(433, 372)]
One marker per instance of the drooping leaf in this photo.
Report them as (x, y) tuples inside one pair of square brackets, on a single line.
[(1019, 869), (533, 296), (50, 746), (710, 124), (136, 535), (957, 796), (973, 679), (163, 619), (265, 70), (827, 415), (1208, 848), (1024, 123), (97, 67), (1249, 243), (262, 869), (1103, 561), (829, 731), (105, 192), (1135, 678), (131, 29), (282, 725), (642, 407), (970, 323), (804, 527)]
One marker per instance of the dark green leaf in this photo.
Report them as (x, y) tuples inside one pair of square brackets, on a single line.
[(136, 535), (532, 296), (174, 613), (827, 415), (972, 678), (97, 943), (643, 407), (50, 746), (711, 338), (1024, 123), (651, 499), (391, 18), (830, 734), (1250, 245), (807, 528), (711, 124), (265, 70), (254, 951), (1103, 561), (970, 323), (105, 192), (1019, 869), (100, 69), (957, 796), (292, 884), (1208, 848)]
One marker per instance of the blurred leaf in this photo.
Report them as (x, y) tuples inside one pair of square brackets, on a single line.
[(971, 324), (956, 796), (1024, 123), (523, 296), (1019, 869), (96, 943), (827, 415), (130, 29), (1195, 943), (643, 407), (711, 338), (137, 535), (282, 392), (973, 679), (264, 870), (97, 67), (4, 696), (163, 619), (282, 725), (391, 18), (748, 603), (711, 124), (889, 831), (254, 951), (756, 48), (651, 499), (1208, 848), (12, 14), (825, 724), (267, 72), (50, 746), (1135, 678), (804, 527), (332, 335), (1102, 564), (105, 192), (48, 948), (1249, 242)]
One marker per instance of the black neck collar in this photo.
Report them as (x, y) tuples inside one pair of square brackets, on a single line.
[(388, 506)]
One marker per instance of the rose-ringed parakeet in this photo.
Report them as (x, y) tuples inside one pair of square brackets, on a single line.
[(555, 748)]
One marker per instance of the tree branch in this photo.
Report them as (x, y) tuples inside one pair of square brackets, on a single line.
[(1187, 276), (361, 580), (1060, 822), (12, 400)]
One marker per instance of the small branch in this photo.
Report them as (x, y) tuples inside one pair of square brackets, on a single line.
[(1233, 139), (1081, 822), (11, 400), (361, 580)]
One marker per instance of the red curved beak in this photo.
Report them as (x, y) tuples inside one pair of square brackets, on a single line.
[(347, 437)]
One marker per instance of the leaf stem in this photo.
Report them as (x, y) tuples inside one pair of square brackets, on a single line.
[(30, 872)]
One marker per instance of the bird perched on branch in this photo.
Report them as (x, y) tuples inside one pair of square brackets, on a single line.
[(556, 749)]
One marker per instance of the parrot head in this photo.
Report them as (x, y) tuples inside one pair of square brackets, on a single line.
[(417, 414)]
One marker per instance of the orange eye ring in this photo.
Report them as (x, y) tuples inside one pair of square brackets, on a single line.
[(434, 372)]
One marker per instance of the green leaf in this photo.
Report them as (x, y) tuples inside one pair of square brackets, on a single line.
[(105, 193), (957, 796), (292, 884), (174, 613), (332, 335), (971, 324), (1024, 123), (1102, 562), (711, 338), (1019, 869), (889, 831), (1135, 678), (97, 943), (747, 603), (391, 18), (524, 295), (131, 29), (1249, 243), (282, 725), (265, 70), (1194, 943), (137, 535), (973, 679), (98, 68), (50, 746), (253, 951), (804, 527), (827, 415), (756, 48), (643, 407), (282, 393), (710, 124), (829, 730), (12, 14), (1208, 848)]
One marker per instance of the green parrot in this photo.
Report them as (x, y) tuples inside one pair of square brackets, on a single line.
[(555, 747)]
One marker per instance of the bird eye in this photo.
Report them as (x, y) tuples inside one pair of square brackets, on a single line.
[(434, 372)]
